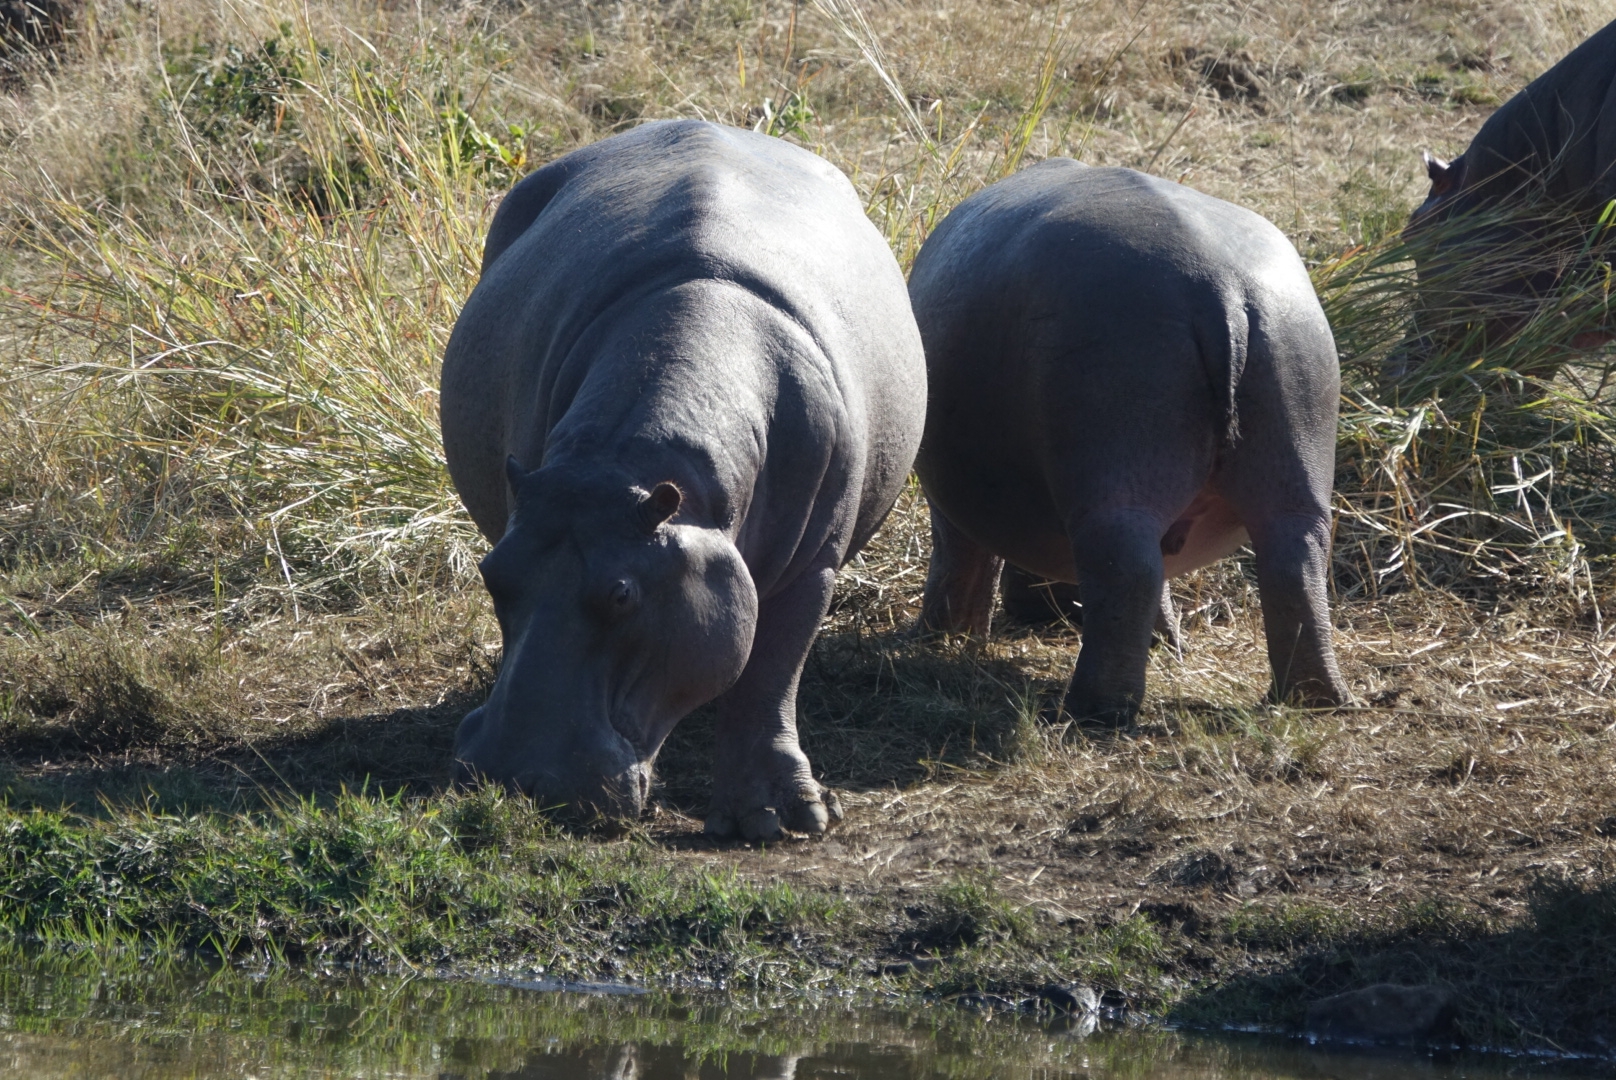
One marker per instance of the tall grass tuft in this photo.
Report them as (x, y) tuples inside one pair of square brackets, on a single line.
[(270, 363), (1476, 443)]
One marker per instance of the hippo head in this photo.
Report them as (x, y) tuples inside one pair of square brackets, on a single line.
[(1447, 180), (1476, 262), (1486, 254), (1432, 265), (617, 621)]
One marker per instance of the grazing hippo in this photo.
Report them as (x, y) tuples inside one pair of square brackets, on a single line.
[(1522, 201), (1128, 380), (687, 388)]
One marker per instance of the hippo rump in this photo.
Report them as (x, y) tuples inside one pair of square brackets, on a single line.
[(1129, 379), (1520, 204), (686, 389)]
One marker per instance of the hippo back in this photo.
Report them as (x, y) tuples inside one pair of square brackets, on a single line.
[(1066, 285), (1107, 248), (576, 245), (1554, 139)]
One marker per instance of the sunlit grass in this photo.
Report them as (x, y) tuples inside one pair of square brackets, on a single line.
[(1475, 442)]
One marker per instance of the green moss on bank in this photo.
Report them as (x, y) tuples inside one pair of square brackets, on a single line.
[(480, 882)]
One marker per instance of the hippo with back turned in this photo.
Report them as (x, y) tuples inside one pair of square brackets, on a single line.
[(1522, 199), (686, 389), (1129, 379)]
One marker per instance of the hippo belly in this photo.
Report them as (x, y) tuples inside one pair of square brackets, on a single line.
[(1207, 531), (1129, 380), (686, 389)]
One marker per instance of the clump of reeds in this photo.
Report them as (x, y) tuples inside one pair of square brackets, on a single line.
[(1476, 438), (259, 350)]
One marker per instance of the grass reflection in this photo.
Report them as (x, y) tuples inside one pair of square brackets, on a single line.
[(116, 1013)]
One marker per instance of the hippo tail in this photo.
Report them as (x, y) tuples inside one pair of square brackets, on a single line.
[(1224, 340)]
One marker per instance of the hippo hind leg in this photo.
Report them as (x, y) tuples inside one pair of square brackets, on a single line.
[(1119, 566), (1032, 601), (762, 782), (1293, 565), (959, 582)]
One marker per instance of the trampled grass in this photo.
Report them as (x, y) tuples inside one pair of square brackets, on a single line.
[(236, 587)]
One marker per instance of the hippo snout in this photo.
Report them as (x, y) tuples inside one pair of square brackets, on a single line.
[(597, 775)]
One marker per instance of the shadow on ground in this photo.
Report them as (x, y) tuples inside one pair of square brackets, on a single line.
[(404, 750), (1544, 980), (879, 711)]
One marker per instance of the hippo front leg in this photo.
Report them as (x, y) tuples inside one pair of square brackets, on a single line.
[(959, 582), (1119, 566), (1293, 557), (762, 782)]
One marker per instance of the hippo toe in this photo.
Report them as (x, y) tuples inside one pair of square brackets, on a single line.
[(765, 802)]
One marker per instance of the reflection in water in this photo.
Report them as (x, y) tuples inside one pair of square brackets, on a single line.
[(644, 1062), (90, 1017)]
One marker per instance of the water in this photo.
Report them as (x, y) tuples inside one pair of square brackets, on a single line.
[(85, 1019)]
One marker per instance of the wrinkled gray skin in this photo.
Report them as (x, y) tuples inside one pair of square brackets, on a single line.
[(687, 388), (1553, 145), (1128, 380)]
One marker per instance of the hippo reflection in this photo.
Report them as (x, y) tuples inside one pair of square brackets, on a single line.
[(687, 388)]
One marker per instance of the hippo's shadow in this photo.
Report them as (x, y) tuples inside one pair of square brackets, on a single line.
[(1543, 979), (404, 750), (878, 711)]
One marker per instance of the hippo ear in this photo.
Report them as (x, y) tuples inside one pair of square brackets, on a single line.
[(1445, 175), (514, 473), (660, 505)]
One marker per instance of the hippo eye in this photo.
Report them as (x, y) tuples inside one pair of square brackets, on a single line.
[(620, 597)]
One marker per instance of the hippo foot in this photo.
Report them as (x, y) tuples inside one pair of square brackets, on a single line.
[(1118, 721), (1324, 694), (754, 811), (1101, 715)]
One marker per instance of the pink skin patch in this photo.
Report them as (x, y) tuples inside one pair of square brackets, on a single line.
[(1207, 530)]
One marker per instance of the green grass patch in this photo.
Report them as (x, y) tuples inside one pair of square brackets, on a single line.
[(480, 881), (383, 880)]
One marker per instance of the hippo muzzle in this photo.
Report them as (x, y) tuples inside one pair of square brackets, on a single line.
[(589, 766)]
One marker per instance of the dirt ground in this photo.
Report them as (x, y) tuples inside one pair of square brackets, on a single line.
[(1477, 759)]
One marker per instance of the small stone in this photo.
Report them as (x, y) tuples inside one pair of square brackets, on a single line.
[(1078, 1000), (985, 1002), (1385, 1014)]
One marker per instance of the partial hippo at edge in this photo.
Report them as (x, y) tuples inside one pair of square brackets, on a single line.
[(687, 388), (1507, 219), (1129, 379)]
